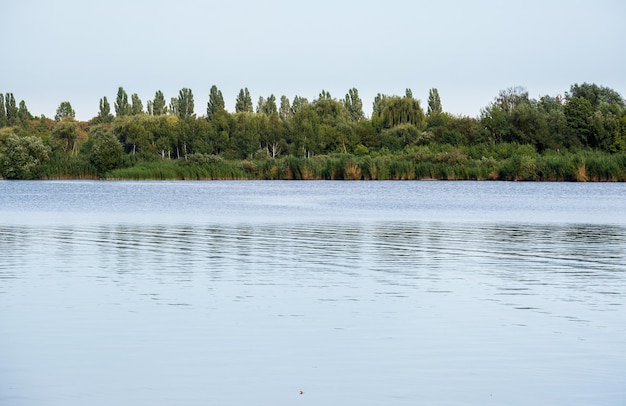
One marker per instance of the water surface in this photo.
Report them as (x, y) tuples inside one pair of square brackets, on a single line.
[(231, 293)]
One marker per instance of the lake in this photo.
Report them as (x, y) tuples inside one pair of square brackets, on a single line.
[(353, 293)]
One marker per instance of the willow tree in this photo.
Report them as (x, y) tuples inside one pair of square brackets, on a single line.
[(396, 110)]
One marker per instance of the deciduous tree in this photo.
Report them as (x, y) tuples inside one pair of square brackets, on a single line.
[(159, 106), (64, 110), (23, 157), (354, 105), (122, 108), (68, 133), (244, 102), (3, 112), (185, 104), (11, 109), (215, 103), (284, 112), (434, 102), (104, 112), (106, 152), (23, 114), (137, 105)]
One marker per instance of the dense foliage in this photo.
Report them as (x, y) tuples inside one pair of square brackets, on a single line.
[(581, 136)]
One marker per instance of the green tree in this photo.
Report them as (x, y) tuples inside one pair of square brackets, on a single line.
[(215, 103), (106, 152), (122, 108), (136, 105), (325, 95), (529, 125), (68, 134), (159, 106), (298, 104), (596, 95), (496, 122), (11, 109), (3, 112), (64, 110), (266, 106), (246, 133), (133, 133), (552, 109), (508, 99), (284, 112), (434, 102), (23, 114), (23, 157), (305, 131), (354, 105), (394, 110), (104, 112), (185, 104), (578, 114), (273, 138), (244, 102)]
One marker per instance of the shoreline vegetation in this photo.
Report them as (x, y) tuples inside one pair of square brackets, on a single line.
[(579, 137)]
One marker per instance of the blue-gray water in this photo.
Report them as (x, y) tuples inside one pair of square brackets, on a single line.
[(356, 293)]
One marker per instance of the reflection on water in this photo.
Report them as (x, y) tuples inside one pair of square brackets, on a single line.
[(366, 313)]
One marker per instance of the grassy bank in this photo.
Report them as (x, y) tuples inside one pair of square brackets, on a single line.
[(504, 162)]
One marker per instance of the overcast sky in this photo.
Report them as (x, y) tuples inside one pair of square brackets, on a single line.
[(80, 51)]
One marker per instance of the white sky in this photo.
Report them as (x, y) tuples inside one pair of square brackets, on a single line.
[(80, 51)]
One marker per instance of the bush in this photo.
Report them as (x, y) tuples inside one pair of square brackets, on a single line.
[(24, 157)]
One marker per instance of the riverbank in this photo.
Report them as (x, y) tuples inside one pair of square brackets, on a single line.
[(417, 164)]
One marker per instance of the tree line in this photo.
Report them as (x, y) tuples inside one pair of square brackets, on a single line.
[(588, 117)]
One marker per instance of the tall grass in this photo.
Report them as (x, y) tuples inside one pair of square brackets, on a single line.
[(483, 162)]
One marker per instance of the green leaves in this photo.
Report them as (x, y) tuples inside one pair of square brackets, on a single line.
[(64, 110), (215, 104), (23, 157)]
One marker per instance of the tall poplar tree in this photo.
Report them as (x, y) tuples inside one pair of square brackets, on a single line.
[(434, 102), (23, 114), (244, 102), (215, 103), (298, 104), (184, 103), (104, 113), (159, 105), (136, 105), (11, 109), (354, 105), (285, 108), (122, 108), (3, 112), (270, 107)]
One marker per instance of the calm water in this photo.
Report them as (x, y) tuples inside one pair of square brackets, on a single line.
[(356, 293)]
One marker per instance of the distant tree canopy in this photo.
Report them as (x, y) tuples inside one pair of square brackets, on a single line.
[(588, 117)]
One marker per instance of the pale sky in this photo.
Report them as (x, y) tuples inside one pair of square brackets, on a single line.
[(80, 51)]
